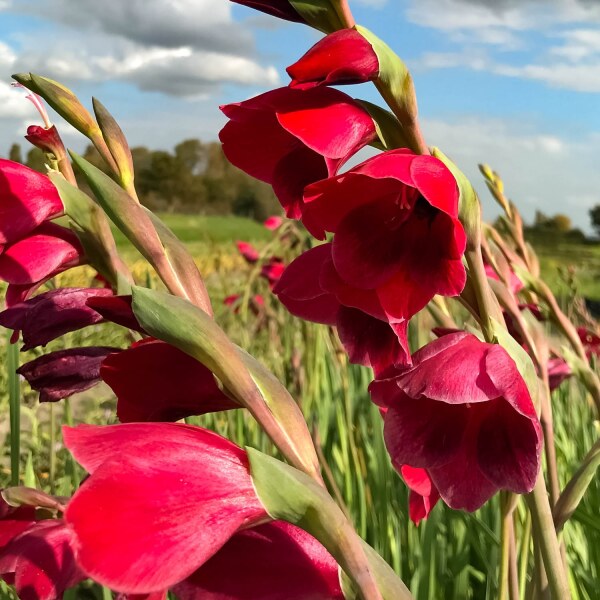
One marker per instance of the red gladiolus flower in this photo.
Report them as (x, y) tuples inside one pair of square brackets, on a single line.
[(423, 494), (63, 373), (277, 8), (275, 561), (40, 561), (463, 413), (248, 251), (290, 138), (27, 199), (116, 309), (14, 521), (310, 289), (48, 140), (161, 500), (397, 238), (144, 393), (47, 251), (273, 223), (590, 341), (52, 314), (343, 57)]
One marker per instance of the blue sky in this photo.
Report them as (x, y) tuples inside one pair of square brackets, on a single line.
[(515, 83)]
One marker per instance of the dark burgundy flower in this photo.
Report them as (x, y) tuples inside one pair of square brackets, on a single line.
[(423, 494), (45, 252), (63, 373), (27, 199), (161, 500), (310, 289), (275, 561), (290, 138), (154, 381), (397, 238), (342, 57), (277, 8), (40, 561), (463, 413), (52, 314), (46, 139), (116, 309)]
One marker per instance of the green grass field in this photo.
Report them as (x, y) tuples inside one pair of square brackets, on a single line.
[(451, 556)]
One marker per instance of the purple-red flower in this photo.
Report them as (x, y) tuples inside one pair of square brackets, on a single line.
[(63, 373), (248, 251), (276, 8), (290, 138), (342, 57), (272, 270), (462, 412), (161, 500), (273, 223), (27, 199), (144, 393), (590, 341), (52, 314)]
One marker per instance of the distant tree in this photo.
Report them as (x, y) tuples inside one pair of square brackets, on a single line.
[(561, 223), (15, 153), (558, 223), (36, 160), (595, 217)]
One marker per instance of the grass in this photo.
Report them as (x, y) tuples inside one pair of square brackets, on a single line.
[(451, 556)]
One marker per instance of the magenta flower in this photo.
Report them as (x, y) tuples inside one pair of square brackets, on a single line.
[(273, 223), (27, 199), (63, 373), (342, 57), (161, 500), (272, 270), (52, 314), (144, 393), (290, 138), (463, 413), (248, 251)]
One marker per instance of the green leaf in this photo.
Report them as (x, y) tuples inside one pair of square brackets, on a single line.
[(389, 129), (292, 496)]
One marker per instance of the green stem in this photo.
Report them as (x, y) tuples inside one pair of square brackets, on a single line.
[(504, 553), (525, 547), (52, 473), (14, 399), (547, 540)]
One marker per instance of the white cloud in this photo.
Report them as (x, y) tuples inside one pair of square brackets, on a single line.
[(541, 171)]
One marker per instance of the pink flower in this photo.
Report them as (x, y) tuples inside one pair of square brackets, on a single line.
[(515, 284), (273, 223), (463, 413), (342, 57), (27, 199), (290, 138), (154, 381), (558, 371), (161, 500), (247, 250)]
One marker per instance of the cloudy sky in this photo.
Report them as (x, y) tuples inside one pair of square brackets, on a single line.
[(515, 83)]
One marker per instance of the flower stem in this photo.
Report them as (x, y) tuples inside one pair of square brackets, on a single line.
[(547, 540), (14, 398), (342, 8)]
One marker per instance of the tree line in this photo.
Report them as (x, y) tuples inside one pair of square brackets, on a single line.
[(194, 178)]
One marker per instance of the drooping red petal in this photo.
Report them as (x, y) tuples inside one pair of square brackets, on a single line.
[(155, 381), (423, 494), (47, 250), (162, 499), (13, 521), (342, 57), (276, 561), (27, 199), (116, 309)]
